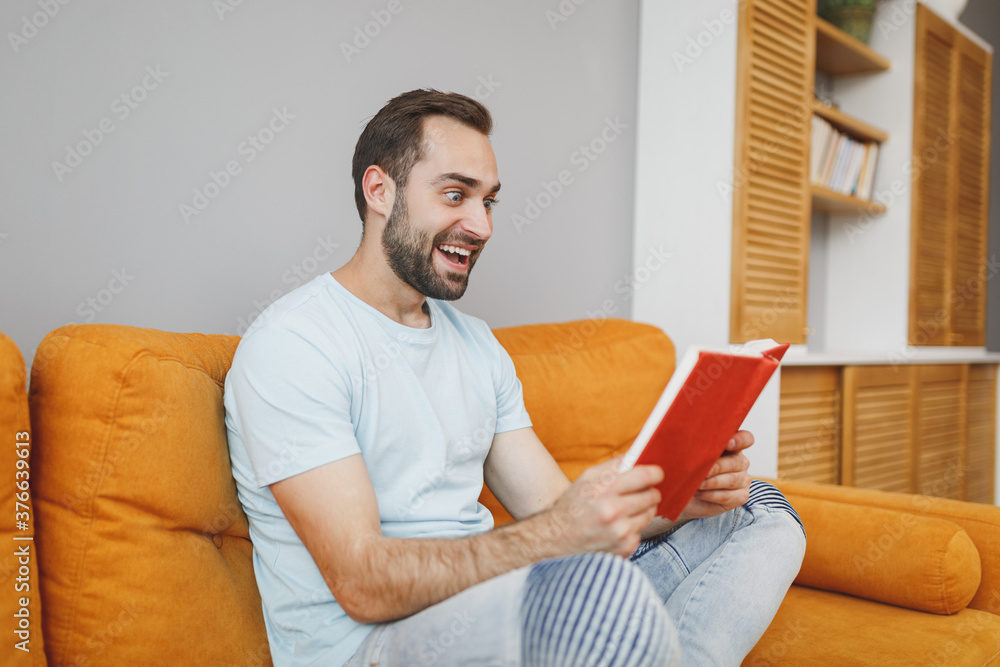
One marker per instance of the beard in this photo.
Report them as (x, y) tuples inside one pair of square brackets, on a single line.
[(410, 253)]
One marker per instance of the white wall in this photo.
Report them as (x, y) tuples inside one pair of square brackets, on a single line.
[(106, 242), (684, 173), (866, 293)]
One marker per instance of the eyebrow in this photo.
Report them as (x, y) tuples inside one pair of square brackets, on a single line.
[(467, 181)]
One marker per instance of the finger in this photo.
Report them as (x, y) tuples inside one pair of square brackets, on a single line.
[(599, 478), (629, 506), (740, 441), (639, 478), (733, 463), (728, 498), (638, 504), (730, 480), (635, 528)]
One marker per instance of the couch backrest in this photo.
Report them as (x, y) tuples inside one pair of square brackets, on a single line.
[(144, 549), (19, 581), (588, 386)]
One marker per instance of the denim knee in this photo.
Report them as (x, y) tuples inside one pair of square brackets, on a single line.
[(594, 609), (765, 495)]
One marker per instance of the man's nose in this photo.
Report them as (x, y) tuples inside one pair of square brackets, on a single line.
[(479, 223)]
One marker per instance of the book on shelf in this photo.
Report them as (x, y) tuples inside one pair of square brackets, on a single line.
[(850, 183), (701, 408), (867, 185), (830, 155), (856, 186), (820, 136), (843, 157), (841, 163)]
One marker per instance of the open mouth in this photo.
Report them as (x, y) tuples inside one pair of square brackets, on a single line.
[(455, 255)]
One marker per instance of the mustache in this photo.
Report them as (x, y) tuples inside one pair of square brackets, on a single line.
[(458, 238)]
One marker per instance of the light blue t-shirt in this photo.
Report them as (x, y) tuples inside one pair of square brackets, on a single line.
[(321, 375)]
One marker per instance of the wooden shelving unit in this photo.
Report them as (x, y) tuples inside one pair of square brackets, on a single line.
[(852, 126), (839, 54), (828, 201)]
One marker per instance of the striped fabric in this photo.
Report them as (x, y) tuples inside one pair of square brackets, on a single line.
[(762, 493), (593, 610)]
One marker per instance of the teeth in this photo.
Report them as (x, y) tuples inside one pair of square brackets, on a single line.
[(455, 249)]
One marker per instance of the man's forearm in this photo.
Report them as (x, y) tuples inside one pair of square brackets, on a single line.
[(399, 577), (376, 578)]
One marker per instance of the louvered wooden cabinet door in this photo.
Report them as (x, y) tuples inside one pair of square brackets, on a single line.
[(932, 146), (950, 189), (770, 184), (972, 105), (939, 429), (809, 424), (980, 434), (878, 440)]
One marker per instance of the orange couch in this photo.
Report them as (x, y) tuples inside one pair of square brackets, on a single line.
[(144, 555)]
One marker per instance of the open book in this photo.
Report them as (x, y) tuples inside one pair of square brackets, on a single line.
[(700, 409)]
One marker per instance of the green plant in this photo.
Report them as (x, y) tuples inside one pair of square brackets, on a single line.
[(855, 17)]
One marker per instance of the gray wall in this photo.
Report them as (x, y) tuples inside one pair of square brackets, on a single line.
[(156, 97), (983, 17)]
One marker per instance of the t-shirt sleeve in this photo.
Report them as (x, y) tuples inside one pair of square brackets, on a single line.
[(289, 404), (511, 413)]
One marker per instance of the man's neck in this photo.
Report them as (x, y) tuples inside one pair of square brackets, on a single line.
[(368, 277)]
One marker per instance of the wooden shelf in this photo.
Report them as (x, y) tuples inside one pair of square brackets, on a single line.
[(838, 53), (828, 201), (852, 126)]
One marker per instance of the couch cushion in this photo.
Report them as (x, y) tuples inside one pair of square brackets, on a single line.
[(815, 627), (19, 580), (981, 522), (895, 557), (145, 554), (588, 386)]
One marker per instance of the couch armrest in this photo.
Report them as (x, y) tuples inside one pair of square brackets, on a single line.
[(981, 522)]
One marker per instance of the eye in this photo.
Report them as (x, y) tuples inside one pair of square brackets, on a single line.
[(454, 197), (490, 204)]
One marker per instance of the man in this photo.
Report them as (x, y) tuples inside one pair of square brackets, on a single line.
[(357, 407)]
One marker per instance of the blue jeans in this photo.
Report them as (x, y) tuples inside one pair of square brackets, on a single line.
[(704, 593)]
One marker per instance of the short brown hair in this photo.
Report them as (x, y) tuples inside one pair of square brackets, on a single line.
[(392, 139)]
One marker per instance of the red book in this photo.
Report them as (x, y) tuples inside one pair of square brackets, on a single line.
[(701, 408)]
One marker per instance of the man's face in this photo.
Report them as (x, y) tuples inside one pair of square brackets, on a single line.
[(440, 222)]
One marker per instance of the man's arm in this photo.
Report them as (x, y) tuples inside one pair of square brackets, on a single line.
[(522, 474), (334, 511)]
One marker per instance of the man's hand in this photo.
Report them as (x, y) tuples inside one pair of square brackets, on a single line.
[(727, 485), (604, 510)]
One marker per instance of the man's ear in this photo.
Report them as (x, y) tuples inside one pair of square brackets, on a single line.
[(379, 190)]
